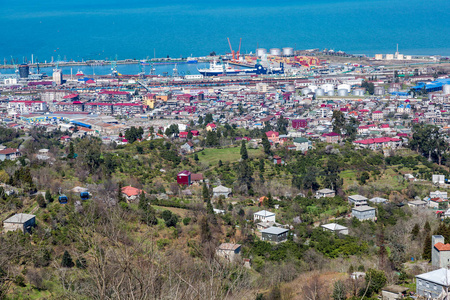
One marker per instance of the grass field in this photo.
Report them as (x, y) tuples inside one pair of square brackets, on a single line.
[(212, 156)]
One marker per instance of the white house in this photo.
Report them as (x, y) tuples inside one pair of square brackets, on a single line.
[(357, 200), (325, 193), (264, 216), (438, 194), (336, 228), (438, 179), (221, 191)]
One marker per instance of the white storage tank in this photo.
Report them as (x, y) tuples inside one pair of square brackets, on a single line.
[(306, 91), (313, 88), (275, 51), (261, 52), (342, 92), (344, 86), (378, 91), (290, 88), (446, 89), (288, 51), (330, 92), (358, 92), (320, 92), (327, 86), (393, 90)]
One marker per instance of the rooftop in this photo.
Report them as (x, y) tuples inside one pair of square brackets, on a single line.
[(275, 230), (19, 218)]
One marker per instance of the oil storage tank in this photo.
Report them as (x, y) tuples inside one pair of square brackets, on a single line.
[(344, 86), (320, 92), (327, 86), (290, 88), (359, 92), (261, 52), (330, 92), (342, 92), (313, 88), (393, 89), (275, 51), (24, 71), (306, 91), (446, 89), (288, 51), (379, 91)]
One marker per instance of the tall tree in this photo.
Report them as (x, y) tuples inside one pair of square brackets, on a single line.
[(338, 121), (67, 261), (266, 144), (426, 253), (244, 154)]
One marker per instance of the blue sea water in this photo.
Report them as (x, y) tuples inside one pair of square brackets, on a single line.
[(101, 29)]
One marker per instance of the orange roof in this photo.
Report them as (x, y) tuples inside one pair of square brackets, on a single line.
[(131, 191), (442, 247), (262, 199)]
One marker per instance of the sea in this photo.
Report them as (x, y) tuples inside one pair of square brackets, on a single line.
[(103, 29)]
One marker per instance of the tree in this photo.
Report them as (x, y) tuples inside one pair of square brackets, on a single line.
[(415, 231), (205, 193), (338, 121), (120, 197), (426, 253), (261, 165), (375, 281), (244, 154), (48, 196), (41, 201), (266, 144), (339, 291), (205, 231), (67, 261), (71, 154), (282, 125), (195, 157), (427, 227), (331, 177), (369, 86), (268, 201), (200, 120)]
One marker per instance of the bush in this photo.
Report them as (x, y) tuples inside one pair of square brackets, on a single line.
[(186, 221)]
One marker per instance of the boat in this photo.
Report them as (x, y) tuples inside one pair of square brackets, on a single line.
[(80, 73), (144, 63), (191, 60), (216, 69)]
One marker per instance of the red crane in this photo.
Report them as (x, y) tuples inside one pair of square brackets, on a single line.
[(233, 54)]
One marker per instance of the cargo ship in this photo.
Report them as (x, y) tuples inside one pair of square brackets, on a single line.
[(216, 69)]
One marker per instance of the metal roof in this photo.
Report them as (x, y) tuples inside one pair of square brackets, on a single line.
[(275, 230), (441, 277), (19, 218)]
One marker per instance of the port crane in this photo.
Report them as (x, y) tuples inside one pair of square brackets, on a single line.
[(235, 55), (14, 65)]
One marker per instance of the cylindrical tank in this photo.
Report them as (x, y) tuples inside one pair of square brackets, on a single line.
[(288, 51), (358, 92), (290, 88), (327, 86), (313, 88), (342, 92), (446, 89), (24, 71), (320, 92), (330, 92), (396, 85), (261, 52), (344, 86), (275, 51), (378, 91), (393, 89), (306, 91)]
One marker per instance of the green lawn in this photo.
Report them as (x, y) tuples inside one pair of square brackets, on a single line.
[(212, 156)]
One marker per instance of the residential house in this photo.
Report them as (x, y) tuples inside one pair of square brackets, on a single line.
[(131, 193), (439, 194), (188, 147), (273, 136), (183, 134), (436, 202), (377, 115), (438, 179), (440, 252), (357, 200), (211, 127), (325, 193), (417, 203), (228, 251), (22, 222), (378, 200), (274, 234), (197, 178), (332, 137), (336, 228), (434, 284), (221, 191), (302, 144), (364, 212), (277, 160), (264, 216), (9, 154), (184, 178), (394, 292)]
